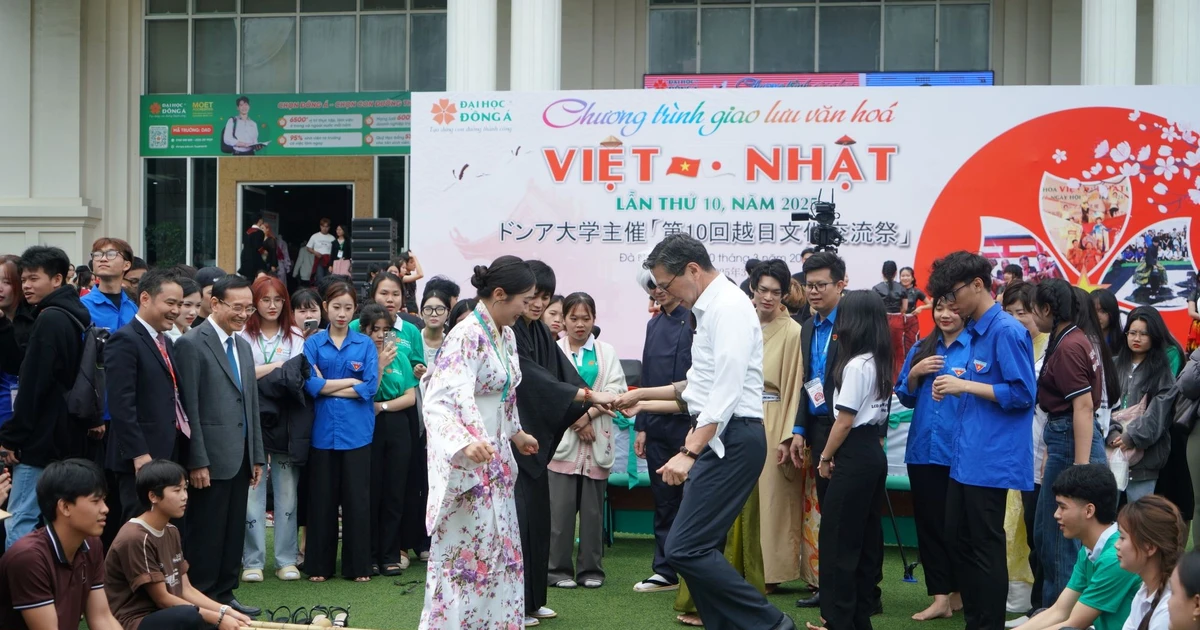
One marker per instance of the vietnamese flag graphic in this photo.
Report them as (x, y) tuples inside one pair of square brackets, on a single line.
[(687, 167)]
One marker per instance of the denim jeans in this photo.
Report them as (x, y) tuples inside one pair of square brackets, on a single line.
[(284, 476), (1138, 489), (22, 502), (1056, 553)]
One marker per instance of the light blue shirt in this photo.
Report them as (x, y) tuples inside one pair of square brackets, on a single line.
[(343, 424), (935, 424)]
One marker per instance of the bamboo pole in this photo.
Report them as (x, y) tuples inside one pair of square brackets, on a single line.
[(278, 625)]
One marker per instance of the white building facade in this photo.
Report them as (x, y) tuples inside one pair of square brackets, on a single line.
[(73, 73)]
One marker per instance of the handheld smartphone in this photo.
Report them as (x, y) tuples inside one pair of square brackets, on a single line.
[(390, 336), (311, 324)]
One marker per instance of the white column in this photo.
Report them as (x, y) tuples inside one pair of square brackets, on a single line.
[(471, 45), (1109, 42), (536, 45), (1177, 42)]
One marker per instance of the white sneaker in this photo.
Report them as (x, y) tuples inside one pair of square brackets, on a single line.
[(565, 584), (593, 583), (1016, 622), (545, 613), (404, 561), (530, 621), (654, 584)]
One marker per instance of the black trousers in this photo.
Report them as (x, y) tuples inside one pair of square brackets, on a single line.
[(664, 436), (929, 483), (391, 449), (339, 479), (715, 492), (412, 529), (533, 517), (216, 531), (851, 537), (1029, 501), (975, 527), (174, 618)]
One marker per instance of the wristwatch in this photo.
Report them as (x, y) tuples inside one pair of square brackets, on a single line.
[(384, 406), (683, 450)]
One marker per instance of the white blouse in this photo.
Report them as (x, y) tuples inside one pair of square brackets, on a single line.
[(1160, 620)]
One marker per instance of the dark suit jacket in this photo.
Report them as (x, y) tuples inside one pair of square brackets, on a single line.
[(251, 261), (141, 398), (803, 418), (218, 412)]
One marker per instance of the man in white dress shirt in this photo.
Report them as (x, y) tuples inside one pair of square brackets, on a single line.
[(725, 450), (241, 133)]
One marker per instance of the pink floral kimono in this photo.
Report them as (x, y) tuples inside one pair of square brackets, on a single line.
[(475, 577)]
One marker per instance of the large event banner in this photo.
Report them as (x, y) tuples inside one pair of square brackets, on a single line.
[(217, 125), (1097, 185)]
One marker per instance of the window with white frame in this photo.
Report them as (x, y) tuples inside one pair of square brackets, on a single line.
[(730, 36), (281, 46)]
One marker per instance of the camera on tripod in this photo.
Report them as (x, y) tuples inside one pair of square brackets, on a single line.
[(824, 235)]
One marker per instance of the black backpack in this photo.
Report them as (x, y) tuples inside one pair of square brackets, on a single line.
[(86, 398), (228, 148)]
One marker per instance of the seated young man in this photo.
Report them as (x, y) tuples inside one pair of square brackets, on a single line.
[(54, 575), (1100, 591), (147, 582)]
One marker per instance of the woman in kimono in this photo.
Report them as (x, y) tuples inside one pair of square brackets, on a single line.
[(475, 577), (780, 486)]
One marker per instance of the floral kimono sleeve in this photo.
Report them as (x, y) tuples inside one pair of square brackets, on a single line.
[(452, 419)]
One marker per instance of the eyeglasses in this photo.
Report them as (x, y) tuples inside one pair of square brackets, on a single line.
[(952, 296), (667, 286), (769, 292), (1138, 334), (277, 301), (435, 311), (239, 310), (110, 254), (819, 287)]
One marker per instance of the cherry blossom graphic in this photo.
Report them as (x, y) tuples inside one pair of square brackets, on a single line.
[(444, 111), (1106, 175)]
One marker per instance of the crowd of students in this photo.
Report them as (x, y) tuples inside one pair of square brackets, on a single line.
[(224, 392)]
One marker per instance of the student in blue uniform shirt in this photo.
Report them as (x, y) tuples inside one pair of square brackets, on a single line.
[(993, 450), (344, 380), (929, 449), (110, 306)]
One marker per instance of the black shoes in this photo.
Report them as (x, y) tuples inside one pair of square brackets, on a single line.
[(810, 602), (249, 611)]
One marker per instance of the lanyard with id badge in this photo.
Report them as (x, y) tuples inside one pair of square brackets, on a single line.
[(815, 386)]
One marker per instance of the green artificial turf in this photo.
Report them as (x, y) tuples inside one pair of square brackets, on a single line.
[(380, 604)]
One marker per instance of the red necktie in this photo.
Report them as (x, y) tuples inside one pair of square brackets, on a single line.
[(181, 422)]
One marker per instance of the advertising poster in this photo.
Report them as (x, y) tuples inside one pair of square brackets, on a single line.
[(227, 125), (814, 79), (1091, 184)]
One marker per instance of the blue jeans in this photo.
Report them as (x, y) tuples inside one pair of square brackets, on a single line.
[(1056, 553), (284, 477), (1138, 489), (22, 502)]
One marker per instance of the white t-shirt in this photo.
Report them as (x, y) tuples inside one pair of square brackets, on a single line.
[(1141, 605), (322, 243), (857, 394)]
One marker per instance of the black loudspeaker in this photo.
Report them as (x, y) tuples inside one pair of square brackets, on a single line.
[(373, 247), (373, 229)]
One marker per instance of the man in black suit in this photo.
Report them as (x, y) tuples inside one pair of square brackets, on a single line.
[(147, 418), (225, 454)]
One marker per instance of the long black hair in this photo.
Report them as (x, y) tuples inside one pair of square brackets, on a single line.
[(1073, 305), (862, 328), (1154, 373), (461, 307), (1106, 301), (928, 345), (889, 273)]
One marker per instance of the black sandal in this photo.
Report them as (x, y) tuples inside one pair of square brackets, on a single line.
[(340, 616), (392, 569), (409, 586), (273, 615), (317, 611), (301, 617)]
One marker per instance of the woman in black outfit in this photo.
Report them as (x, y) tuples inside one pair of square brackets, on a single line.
[(895, 301), (851, 536), (1108, 312)]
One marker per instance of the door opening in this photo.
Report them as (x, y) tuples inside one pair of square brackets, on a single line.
[(294, 212)]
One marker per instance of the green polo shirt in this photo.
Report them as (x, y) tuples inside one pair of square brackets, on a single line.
[(397, 378), (408, 340), (1102, 583)]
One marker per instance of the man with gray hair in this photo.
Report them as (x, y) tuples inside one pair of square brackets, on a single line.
[(666, 358), (724, 451)]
